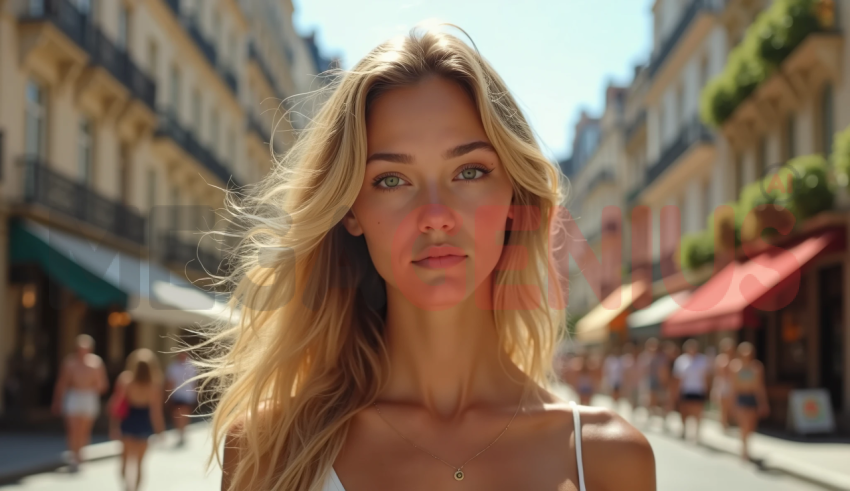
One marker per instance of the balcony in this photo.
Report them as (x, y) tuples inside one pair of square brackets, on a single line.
[(255, 56), (170, 128), (94, 48), (691, 134), (229, 78), (186, 254), (46, 188), (206, 47), (692, 12)]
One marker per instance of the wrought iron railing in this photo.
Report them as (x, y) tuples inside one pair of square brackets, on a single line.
[(691, 134), (171, 128), (101, 50), (206, 47), (58, 193), (254, 54), (672, 40), (177, 251)]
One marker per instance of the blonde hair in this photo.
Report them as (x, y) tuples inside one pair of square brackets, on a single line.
[(308, 345)]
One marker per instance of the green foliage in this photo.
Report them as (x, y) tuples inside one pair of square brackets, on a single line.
[(697, 249), (784, 26), (812, 192), (775, 33)]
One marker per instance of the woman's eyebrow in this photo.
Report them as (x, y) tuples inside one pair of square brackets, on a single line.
[(458, 151)]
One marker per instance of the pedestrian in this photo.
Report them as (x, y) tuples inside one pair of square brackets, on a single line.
[(631, 375), (613, 373), (654, 375), (404, 335), (136, 407), (721, 387), (750, 393), (691, 373), (582, 377), (81, 382), (670, 403), (181, 387)]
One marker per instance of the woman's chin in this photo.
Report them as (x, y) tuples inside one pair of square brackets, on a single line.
[(438, 294)]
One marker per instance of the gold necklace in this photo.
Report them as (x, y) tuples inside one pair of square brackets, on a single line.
[(458, 471)]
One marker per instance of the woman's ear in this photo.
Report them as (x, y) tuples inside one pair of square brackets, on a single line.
[(349, 221)]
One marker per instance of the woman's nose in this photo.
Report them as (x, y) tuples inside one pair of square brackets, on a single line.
[(436, 217)]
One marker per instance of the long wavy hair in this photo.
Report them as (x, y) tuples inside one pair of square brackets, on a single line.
[(307, 351)]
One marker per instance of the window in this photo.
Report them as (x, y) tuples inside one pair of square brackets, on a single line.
[(85, 151), (153, 59), (175, 208), (174, 95), (216, 29), (761, 158), (196, 112), (827, 129), (125, 171), (231, 148), (123, 26), (231, 42), (214, 134), (680, 105), (706, 198), (36, 121), (151, 189), (790, 135)]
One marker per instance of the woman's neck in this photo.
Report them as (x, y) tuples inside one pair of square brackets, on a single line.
[(447, 360)]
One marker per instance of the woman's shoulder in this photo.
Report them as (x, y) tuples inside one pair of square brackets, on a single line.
[(609, 442)]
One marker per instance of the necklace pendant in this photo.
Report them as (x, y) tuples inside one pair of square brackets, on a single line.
[(458, 475)]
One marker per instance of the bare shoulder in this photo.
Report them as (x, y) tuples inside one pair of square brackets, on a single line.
[(94, 361), (609, 443)]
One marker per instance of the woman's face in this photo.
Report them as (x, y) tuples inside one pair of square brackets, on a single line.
[(431, 177)]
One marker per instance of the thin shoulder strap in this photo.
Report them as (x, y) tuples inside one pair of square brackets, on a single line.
[(579, 464)]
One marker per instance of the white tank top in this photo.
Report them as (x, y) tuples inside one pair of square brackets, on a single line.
[(333, 483)]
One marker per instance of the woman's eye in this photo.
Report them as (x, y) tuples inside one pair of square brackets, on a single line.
[(391, 182), (470, 174)]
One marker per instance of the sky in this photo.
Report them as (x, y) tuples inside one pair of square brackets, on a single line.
[(556, 56)]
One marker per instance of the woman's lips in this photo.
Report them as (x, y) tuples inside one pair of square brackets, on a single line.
[(440, 262)]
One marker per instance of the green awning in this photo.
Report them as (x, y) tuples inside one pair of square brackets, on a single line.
[(25, 247)]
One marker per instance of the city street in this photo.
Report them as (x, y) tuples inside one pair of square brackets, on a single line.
[(681, 466)]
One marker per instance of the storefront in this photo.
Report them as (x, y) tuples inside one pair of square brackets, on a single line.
[(788, 300), (61, 285)]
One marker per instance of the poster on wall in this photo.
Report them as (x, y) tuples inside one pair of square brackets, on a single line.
[(810, 411)]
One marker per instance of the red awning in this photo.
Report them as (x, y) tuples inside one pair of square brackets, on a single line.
[(729, 299)]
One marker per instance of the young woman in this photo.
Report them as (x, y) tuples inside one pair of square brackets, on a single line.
[(140, 390), (721, 388), (750, 393), (399, 311)]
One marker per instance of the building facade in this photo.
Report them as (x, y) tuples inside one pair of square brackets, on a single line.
[(679, 167), (122, 124)]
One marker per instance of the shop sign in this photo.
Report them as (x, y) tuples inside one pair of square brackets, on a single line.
[(810, 411)]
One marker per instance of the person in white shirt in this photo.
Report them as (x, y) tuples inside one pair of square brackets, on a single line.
[(182, 392), (691, 373)]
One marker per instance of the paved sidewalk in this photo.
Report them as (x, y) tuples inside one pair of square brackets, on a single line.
[(824, 464), (23, 454)]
